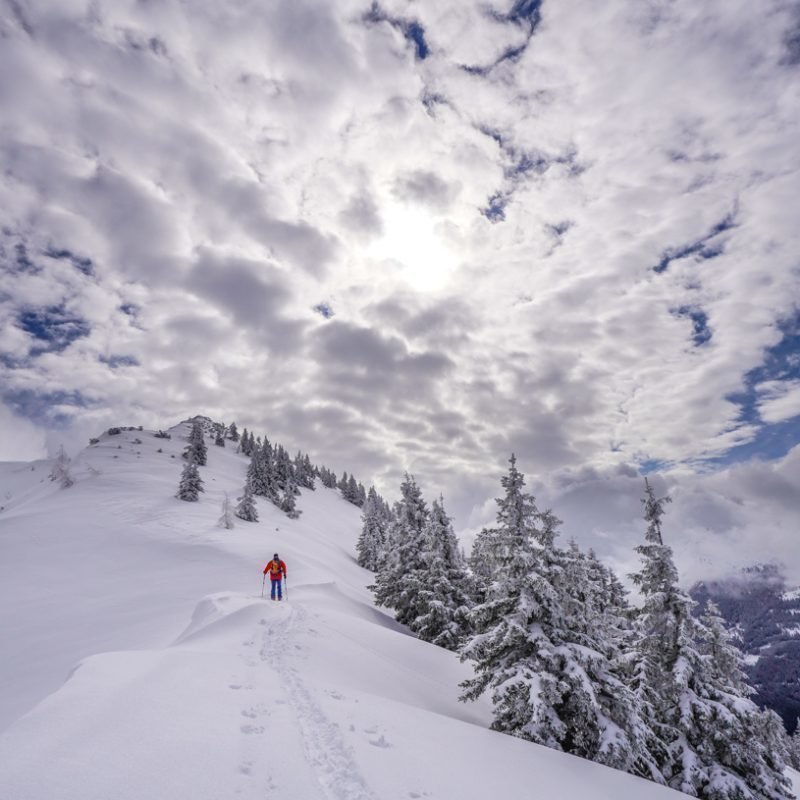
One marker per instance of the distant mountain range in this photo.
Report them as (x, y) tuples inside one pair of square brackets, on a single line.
[(766, 614)]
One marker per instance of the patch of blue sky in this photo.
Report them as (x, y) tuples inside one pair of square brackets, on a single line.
[(18, 261), (701, 332), (523, 12), (651, 465), (324, 310), (770, 442), (410, 28), (80, 263), (495, 209), (119, 361), (39, 407), (781, 363), (53, 326), (704, 248)]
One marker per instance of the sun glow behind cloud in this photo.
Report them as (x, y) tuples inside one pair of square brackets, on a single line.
[(422, 246)]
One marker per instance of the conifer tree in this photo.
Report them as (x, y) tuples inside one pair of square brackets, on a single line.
[(303, 471), (442, 601), (191, 484), (287, 501), (794, 747), (61, 471), (226, 520), (352, 494), (309, 472), (196, 451), (535, 644), (246, 509), (219, 439), (233, 432), (511, 641), (342, 485), (404, 554), (372, 541), (745, 743), (706, 738)]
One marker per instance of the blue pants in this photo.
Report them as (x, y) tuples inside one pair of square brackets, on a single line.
[(276, 583)]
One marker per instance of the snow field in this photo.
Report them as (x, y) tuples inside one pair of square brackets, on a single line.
[(323, 697)]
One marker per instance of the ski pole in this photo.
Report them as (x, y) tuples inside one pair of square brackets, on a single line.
[(286, 586), (262, 585)]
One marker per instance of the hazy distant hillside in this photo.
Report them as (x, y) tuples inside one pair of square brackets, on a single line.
[(767, 614)]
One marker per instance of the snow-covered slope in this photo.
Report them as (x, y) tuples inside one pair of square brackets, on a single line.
[(189, 685)]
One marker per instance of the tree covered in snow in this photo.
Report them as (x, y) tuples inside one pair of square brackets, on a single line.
[(287, 501), (191, 484), (283, 472), (372, 541), (61, 470), (304, 471), (793, 747), (327, 477), (396, 584), (219, 435), (196, 451), (708, 739), (442, 601), (261, 472), (233, 432), (226, 520), (537, 645), (246, 443), (246, 508)]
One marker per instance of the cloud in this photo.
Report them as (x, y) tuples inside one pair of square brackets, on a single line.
[(565, 235), (21, 440), (427, 188)]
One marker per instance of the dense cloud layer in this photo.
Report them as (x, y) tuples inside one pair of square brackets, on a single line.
[(418, 237)]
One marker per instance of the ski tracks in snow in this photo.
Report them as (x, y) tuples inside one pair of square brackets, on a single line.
[(326, 753)]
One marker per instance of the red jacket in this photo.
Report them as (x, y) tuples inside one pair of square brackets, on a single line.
[(276, 569)]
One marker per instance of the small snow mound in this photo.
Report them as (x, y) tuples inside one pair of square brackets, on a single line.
[(794, 594), (221, 613)]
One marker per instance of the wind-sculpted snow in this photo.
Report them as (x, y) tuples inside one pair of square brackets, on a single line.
[(190, 685)]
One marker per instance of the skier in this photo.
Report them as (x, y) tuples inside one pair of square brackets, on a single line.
[(277, 570)]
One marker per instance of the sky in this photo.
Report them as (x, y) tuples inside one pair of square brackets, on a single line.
[(418, 237)]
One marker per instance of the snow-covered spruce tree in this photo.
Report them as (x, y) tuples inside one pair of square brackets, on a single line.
[(512, 623), (246, 508), (703, 736), (259, 473), (219, 439), (287, 501), (304, 471), (747, 744), (443, 602), (341, 485), (394, 587), (794, 747), (372, 541), (191, 483), (534, 645), (61, 471), (283, 471), (226, 520), (245, 445), (233, 432), (601, 717), (196, 451), (352, 495)]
